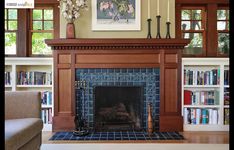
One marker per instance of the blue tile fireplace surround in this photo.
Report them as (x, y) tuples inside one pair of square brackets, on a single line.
[(146, 78)]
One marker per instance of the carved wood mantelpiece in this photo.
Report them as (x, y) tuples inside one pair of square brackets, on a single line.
[(70, 54)]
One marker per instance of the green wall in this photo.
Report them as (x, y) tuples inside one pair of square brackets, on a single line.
[(83, 25)]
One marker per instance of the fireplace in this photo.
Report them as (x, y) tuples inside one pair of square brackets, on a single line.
[(118, 108), (103, 56), (126, 91)]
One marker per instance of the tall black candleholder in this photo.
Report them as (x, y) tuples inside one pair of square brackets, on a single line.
[(149, 28), (168, 30), (158, 36)]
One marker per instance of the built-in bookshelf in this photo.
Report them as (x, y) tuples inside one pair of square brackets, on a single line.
[(205, 94), (35, 74)]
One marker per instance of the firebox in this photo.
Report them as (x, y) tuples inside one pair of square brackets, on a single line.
[(118, 108), (117, 98)]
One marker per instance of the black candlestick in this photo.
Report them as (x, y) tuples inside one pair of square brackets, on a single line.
[(168, 30), (158, 36), (149, 28)]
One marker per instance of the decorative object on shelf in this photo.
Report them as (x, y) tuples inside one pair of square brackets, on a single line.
[(168, 20), (149, 29), (150, 120), (168, 30), (149, 22), (158, 36), (71, 12), (116, 15)]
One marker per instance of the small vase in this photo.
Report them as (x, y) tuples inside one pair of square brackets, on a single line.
[(70, 31)]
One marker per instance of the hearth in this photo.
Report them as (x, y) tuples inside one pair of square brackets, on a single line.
[(116, 99)]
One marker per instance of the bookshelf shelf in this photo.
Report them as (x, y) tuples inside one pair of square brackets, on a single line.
[(201, 86), (15, 65), (211, 76), (46, 106), (34, 86), (201, 106), (9, 86)]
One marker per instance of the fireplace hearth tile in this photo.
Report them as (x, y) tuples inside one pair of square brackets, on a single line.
[(110, 136)]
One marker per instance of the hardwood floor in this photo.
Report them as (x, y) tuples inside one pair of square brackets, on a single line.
[(213, 137)]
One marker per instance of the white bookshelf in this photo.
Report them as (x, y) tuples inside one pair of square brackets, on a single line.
[(206, 64), (16, 64)]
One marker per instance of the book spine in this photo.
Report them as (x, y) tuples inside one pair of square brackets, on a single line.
[(198, 116)]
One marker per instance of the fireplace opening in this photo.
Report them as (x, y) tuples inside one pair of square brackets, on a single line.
[(118, 108)]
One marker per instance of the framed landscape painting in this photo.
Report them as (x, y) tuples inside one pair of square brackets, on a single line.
[(116, 15)]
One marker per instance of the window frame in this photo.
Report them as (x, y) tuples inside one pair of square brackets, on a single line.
[(23, 40), (211, 40), (9, 31), (203, 24), (223, 31)]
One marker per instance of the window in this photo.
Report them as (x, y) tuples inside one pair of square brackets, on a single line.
[(26, 29), (41, 29), (223, 31), (206, 24), (193, 27), (11, 22)]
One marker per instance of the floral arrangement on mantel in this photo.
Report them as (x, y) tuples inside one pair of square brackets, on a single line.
[(71, 9)]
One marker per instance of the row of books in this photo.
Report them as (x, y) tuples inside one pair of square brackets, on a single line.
[(201, 97), (46, 115), (46, 98), (226, 77), (195, 77), (200, 116), (34, 78), (226, 116), (7, 78)]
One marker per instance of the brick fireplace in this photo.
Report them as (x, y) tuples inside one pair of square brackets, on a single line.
[(154, 65)]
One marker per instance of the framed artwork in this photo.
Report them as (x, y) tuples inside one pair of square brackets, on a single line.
[(116, 15)]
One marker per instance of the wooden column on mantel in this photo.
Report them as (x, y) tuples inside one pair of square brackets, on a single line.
[(70, 54)]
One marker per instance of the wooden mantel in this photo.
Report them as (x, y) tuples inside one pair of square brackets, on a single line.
[(70, 54)]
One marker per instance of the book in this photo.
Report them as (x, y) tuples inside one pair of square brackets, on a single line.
[(226, 116), (214, 118), (193, 116), (198, 116), (187, 97), (50, 116), (210, 116), (204, 116)]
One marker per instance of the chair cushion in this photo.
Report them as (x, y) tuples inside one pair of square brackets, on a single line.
[(20, 131)]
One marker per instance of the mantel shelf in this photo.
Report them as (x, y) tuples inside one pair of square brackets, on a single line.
[(117, 43)]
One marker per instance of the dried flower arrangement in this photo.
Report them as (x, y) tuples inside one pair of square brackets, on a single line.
[(71, 9)]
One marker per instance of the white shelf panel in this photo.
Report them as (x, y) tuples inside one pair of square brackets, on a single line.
[(202, 106), (226, 106), (226, 86), (201, 86), (46, 106), (8, 86), (34, 86)]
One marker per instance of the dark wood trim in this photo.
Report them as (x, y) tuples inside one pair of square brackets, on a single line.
[(46, 2), (70, 54), (22, 36), (212, 41), (202, 1)]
